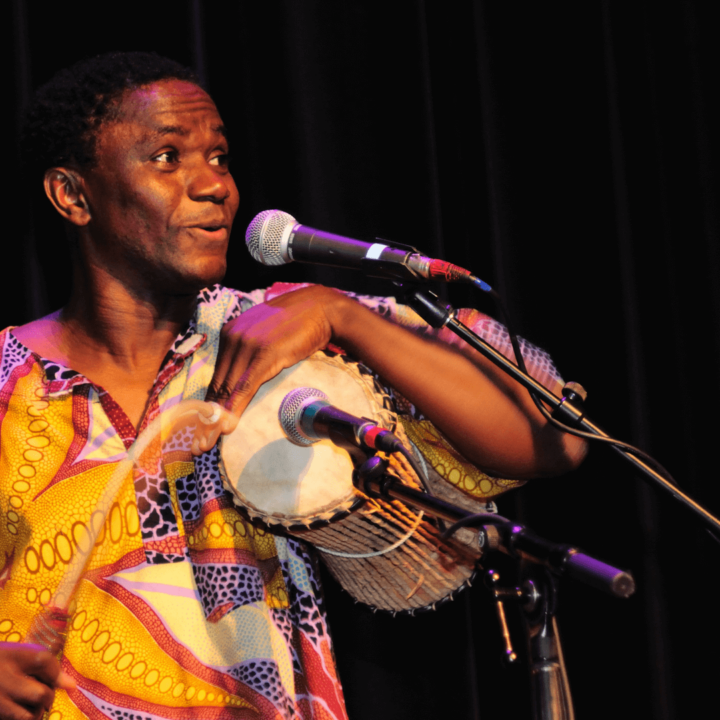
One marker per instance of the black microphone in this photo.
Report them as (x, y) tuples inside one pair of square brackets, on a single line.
[(275, 238), (306, 416)]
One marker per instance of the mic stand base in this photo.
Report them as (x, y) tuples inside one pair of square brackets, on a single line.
[(551, 699)]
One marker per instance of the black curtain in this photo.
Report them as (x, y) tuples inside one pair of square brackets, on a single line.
[(568, 154)]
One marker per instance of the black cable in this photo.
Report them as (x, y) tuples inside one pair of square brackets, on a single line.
[(478, 519), (415, 465)]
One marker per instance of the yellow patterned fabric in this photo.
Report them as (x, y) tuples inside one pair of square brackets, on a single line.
[(450, 465)]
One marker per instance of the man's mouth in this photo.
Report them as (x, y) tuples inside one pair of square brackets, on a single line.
[(216, 232)]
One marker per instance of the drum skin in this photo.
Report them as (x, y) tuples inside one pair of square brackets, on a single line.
[(285, 484)]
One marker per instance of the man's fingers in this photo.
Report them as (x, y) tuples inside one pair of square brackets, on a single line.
[(40, 665), (22, 696), (244, 390), (239, 343), (229, 373), (10, 710), (251, 367), (220, 388), (65, 681), (209, 428), (219, 391), (32, 693), (28, 679)]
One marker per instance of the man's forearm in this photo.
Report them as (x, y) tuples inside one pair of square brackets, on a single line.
[(487, 415)]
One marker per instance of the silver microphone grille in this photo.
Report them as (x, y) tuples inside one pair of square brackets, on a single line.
[(265, 234), (291, 411)]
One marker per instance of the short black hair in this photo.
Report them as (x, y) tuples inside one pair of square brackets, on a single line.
[(61, 123)]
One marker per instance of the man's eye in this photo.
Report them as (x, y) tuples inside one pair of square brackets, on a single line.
[(169, 156), (221, 160)]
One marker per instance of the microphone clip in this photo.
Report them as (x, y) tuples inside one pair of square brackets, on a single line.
[(428, 306), (374, 469), (391, 269)]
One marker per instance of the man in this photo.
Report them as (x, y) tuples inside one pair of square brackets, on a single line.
[(172, 618)]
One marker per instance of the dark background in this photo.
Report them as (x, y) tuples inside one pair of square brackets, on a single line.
[(568, 154)]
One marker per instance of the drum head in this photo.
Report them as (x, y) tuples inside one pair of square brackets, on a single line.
[(279, 481)]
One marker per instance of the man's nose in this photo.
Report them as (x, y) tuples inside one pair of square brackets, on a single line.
[(208, 185)]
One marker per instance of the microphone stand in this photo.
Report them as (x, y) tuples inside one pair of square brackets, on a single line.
[(544, 562), (437, 315)]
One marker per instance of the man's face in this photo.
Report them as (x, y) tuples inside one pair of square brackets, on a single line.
[(161, 197)]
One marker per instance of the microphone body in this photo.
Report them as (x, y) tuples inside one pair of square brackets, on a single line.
[(276, 238), (306, 416)]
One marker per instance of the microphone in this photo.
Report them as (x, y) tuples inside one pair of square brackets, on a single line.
[(306, 417), (275, 238)]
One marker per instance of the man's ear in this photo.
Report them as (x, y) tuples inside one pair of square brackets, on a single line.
[(64, 190)]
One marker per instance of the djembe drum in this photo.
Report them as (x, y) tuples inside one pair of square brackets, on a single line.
[(384, 553)]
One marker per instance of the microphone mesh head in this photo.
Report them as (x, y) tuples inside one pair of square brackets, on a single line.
[(291, 409), (264, 236)]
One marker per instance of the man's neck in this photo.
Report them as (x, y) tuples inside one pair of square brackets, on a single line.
[(116, 337), (126, 328)]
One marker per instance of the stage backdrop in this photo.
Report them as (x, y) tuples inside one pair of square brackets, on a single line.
[(568, 154)]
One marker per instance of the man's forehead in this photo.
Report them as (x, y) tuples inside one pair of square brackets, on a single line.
[(168, 106)]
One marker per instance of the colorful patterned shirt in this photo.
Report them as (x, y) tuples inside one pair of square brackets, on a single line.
[(186, 610)]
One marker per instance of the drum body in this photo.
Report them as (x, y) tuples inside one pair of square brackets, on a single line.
[(384, 553)]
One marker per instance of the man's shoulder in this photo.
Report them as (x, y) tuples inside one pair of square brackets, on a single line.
[(12, 354), (225, 303), (222, 296), (218, 305), (7, 338), (41, 336)]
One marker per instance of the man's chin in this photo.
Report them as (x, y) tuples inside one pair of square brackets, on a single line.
[(195, 279)]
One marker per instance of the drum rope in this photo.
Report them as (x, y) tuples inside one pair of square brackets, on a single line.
[(395, 545), (390, 548), (376, 553)]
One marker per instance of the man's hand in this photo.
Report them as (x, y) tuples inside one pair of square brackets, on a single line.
[(28, 680), (268, 338)]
